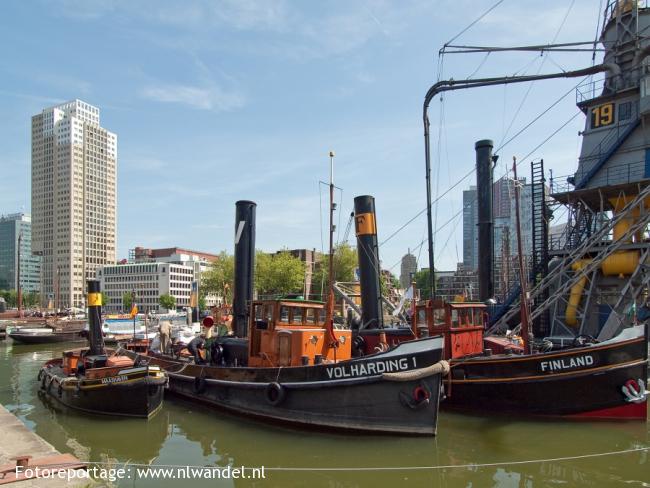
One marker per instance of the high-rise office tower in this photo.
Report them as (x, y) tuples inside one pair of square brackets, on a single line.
[(15, 229), (74, 169)]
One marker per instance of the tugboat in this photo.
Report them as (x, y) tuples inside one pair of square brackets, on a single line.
[(288, 364), (99, 381), (581, 353)]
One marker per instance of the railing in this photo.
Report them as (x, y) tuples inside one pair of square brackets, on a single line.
[(614, 175), (614, 7), (590, 90)]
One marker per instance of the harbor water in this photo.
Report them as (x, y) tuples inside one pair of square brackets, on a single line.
[(470, 451)]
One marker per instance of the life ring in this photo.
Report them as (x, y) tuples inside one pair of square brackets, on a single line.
[(199, 385), (420, 395), (274, 393)]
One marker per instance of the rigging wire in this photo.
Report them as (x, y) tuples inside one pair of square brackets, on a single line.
[(544, 58), (600, 13), (468, 174), (472, 24), (539, 116)]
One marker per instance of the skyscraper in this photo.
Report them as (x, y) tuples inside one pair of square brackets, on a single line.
[(408, 269), (13, 228), (74, 167)]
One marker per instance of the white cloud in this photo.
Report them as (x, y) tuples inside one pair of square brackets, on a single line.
[(203, 98)]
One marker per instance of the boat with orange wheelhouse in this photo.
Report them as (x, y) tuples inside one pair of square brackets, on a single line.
[(99, 380)]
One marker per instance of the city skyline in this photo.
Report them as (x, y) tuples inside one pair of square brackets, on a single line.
[(219, 103)]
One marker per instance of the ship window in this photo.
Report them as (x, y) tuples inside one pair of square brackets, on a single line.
[(297, 315), (284, 314), (422, 317), (454, 317), (310, 316), (625, 110), (321, 316)]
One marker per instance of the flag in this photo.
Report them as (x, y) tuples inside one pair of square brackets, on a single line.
[(134, 310)]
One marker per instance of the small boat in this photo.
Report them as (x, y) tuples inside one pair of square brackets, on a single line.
[(46, 335), (100, 381)]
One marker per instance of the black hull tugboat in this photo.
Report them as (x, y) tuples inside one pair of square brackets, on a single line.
[(287, 363), (605, 380), (99, 381)]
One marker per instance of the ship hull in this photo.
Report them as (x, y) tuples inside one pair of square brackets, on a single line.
[(368, 394), (604, 381), (35, 338), (133, 392)]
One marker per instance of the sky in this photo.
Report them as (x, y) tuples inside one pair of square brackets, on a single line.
[(224, 100)]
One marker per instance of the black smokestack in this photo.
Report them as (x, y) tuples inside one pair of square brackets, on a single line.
[(95, 336), (484, 178), (244, 264), (372, 316)]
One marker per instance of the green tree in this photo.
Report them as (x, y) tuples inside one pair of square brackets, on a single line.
[(127, 300), (278, 274), (105, 299), (344, 263), (10, 297), (220, 277), (167, 301), (31, 299), (422, 283)]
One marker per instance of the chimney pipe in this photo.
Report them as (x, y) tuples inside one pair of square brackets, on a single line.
[(484, 184), (244, 264), (95, 336), (372, 316)]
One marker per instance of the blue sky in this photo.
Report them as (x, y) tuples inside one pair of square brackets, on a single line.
[(216, 101)]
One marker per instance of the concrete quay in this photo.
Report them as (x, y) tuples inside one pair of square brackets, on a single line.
[(18, 440)]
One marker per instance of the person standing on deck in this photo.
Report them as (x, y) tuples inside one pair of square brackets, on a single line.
[(165, 331)]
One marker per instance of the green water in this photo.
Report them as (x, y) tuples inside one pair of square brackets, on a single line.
[(185, 434)]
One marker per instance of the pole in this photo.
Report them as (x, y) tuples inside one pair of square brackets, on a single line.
[(522, 273), (432, 272), (19, 291), (134, 315), (329, 312)]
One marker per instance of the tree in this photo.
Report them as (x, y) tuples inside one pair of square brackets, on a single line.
[(167, 302), (31, 299), (278, 274), (127, 300), (105, 299), (10, 297), (344, 263), (422, 283), (220, 277)]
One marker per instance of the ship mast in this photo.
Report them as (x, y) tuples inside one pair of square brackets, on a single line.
[(329, 311), (522, 272)]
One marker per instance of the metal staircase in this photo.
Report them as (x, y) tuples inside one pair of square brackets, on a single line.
[(565, 277), (540, 238)]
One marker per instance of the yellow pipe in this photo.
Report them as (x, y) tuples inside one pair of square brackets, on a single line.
[(623, 263), (571, 315)]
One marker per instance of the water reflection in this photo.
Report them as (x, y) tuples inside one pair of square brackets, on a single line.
[(187, 434)]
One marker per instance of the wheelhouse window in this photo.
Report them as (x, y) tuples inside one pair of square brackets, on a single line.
[(297, 316)]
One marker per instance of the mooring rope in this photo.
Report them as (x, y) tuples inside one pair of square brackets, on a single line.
[(374, 468)]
